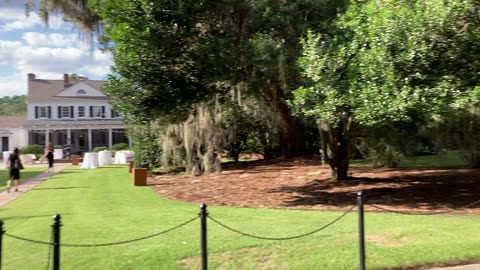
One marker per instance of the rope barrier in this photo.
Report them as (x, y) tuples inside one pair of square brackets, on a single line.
[(132, 240), (105, 244), (28, 240), (283, 238)]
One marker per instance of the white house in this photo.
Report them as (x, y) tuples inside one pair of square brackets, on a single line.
[(71, 113), (12, 132)]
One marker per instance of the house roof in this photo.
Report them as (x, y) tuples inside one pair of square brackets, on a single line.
[(39, 89), (10, 121)]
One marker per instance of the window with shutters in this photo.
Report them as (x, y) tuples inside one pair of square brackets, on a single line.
[(81, 111), (65, 112), (116, 114), (42, 111), (97, 111)]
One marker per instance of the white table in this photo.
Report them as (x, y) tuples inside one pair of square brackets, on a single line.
[(27, 159), (57, 153), (104, 157), (6, 155), (123, 156), (90, 161)]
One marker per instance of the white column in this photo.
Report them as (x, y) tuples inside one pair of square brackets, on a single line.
[(47, 137), (90, 140), (129, 142), (69, 137), (110, 138)]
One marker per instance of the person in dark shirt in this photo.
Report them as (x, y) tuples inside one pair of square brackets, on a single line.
[(50, 157), (15, 165)]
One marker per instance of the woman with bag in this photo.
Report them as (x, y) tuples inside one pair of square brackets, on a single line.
[(49, 156), (15, 166)]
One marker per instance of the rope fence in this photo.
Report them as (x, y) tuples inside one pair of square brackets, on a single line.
[(53, 257), (283, 238)]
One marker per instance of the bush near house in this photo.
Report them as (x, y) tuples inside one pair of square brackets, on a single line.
[(100, 148), (35, 149), (120, 146)]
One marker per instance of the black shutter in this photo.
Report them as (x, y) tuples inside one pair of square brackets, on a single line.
[(91, 111), (71, 111), (103, 111), (36, 111), (112, 113), (59, 111), (49, 112)]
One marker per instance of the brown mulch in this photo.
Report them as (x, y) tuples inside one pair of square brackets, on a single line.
[(303, 183)]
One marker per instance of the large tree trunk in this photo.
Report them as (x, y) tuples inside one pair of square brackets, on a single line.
[(292, 136), (337, 145)]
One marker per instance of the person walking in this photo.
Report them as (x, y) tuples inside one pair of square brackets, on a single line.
[(50, 157), (15, 165)]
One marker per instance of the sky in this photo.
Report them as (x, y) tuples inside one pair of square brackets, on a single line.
[(28, 46)]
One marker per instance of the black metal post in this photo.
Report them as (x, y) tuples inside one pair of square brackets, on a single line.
[(203, 235), (2, 231), (361, 230), (56, 241)]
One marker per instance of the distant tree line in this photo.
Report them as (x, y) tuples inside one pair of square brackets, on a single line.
[(13, 105)]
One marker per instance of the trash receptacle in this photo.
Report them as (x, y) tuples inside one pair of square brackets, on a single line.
[(75, 160)]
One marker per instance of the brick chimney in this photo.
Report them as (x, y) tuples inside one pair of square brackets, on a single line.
[(66, 80), (31, 76)]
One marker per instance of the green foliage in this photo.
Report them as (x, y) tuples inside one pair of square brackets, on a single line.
[(388, 62), (120, 146), (15, 105), (458, 131), (146, 146), (100, 148), (33, 149)]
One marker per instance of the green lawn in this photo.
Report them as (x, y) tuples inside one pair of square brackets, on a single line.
[(99, 206), (25, 174), (442, 160)]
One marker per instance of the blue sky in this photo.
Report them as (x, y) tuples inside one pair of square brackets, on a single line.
[(28, 46)]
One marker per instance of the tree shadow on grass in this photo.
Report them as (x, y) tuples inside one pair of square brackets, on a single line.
[(412, 189), (36, 189), (30, 216)]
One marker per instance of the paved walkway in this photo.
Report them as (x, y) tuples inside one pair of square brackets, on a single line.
[(6, 198), (462, 267)]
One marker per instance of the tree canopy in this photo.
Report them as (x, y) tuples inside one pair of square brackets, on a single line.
[(386, 61)]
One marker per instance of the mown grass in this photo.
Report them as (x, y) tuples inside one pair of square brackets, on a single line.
[(99, 206), (25, 174), (443, 160)]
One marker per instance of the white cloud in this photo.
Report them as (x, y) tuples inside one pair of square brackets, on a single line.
[(52, 39), (6, 49), (46, 52), (15, 84)]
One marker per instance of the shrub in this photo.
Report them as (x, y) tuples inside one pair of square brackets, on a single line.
[(57, 146), (33, 149), (100, 148), (120, 146)]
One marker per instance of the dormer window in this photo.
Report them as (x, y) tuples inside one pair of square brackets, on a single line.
[(81, 92)]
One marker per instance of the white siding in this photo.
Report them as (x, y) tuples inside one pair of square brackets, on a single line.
[(72, 91), (54, 108)]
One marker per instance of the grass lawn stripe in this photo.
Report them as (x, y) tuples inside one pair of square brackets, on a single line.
[(99, 206)]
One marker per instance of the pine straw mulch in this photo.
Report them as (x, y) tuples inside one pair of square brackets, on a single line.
[(303, 183)]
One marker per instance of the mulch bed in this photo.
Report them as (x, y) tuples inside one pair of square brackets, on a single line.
[(303, 183)]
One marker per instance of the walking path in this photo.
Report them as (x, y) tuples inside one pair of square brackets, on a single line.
[(6, 198), (461, 267)]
